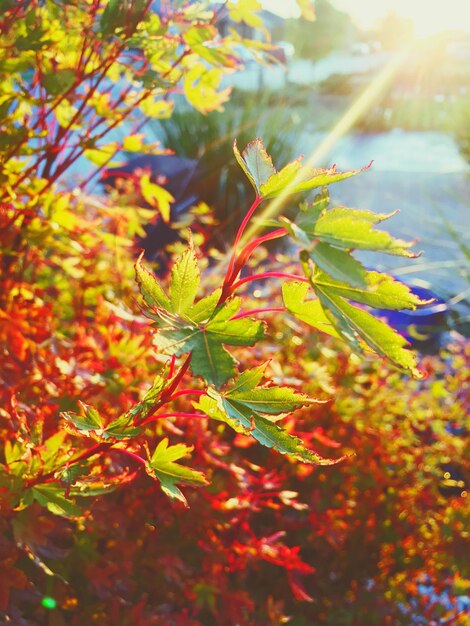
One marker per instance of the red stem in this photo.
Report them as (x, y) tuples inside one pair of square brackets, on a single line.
[(277, 309), (167, 395), (154, 418), (96, 449), (250, 247), (136, 457), (177, 379), (86, 454), (249, 279), (187, 392), (172, 366), (238, 236)]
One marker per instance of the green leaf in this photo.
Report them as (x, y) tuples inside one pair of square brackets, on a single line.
[(339, 264), (200, 328), (255, 162), (123, 427), (204, 308), (110, 16), (267, 400), (184, 283), (236, 409), (249, 379), (34, 40), (380, 291), (244, 406), (210, 407), (311, 312), (150, 289), (311, 211), (215, 56), (162, 466), (87, 421), (69, 474), (201, 34), (278, 183), (14, 451), (326, 237), (291, 179), (351, 228), (54, 451), (91, 424), (119, 14), (102, 155), (297, 234), (209, 358), (157, 108), (133, 143), (295, 178), (65, 113), (59, 81), (52, 497), (349, 320), (91, 486)]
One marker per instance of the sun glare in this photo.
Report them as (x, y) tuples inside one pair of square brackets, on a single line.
[(427, 17), (430, 18)]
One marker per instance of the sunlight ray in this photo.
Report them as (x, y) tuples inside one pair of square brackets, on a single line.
[(360, 106)]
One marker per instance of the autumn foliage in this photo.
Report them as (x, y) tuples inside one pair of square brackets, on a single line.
[(320, 464)]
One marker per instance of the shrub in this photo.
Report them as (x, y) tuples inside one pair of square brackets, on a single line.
[(81, 417)]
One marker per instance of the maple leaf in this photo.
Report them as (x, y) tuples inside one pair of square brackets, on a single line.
[(350, 321), (344, 228), (90, 423), (291, 179), (52, 497), (254, 410), (162, 465), (326, 238), (201, 328)]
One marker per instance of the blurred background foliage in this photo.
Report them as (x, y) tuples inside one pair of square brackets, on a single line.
[(209, 140)]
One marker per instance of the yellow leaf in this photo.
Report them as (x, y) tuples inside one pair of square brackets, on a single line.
[(160, 109), (102, 155), (156, 196), (133, 143), (245, 11), (200, 89), (307, 10), (64, 113)]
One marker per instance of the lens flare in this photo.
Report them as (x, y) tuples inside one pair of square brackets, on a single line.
[(48, 603)]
